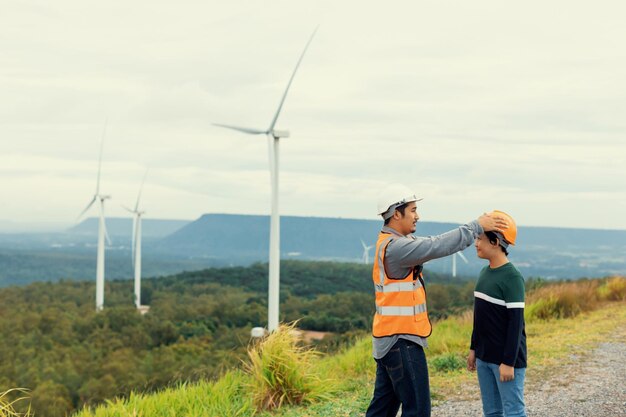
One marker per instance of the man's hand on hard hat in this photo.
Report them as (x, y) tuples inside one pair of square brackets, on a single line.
[(491, 223)]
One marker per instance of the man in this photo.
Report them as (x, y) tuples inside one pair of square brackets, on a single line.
[(498, 344), (401, 323)]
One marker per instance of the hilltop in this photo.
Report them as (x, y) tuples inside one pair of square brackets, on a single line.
[(217, 240)]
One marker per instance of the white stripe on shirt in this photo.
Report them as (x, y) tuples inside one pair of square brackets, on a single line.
[(497, 301), (515, 305), (485, 297)]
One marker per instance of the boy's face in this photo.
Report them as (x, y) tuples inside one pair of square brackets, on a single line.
[(484, 248)]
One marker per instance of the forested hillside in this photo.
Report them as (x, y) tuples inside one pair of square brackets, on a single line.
[(53, 343), (281, 378)]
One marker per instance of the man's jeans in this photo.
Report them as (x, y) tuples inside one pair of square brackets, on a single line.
[(401, 378), (500, 398)]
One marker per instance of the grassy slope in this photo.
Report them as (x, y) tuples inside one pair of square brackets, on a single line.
[(550, 343)]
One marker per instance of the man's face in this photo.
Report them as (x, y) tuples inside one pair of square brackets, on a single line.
[(406, 222)]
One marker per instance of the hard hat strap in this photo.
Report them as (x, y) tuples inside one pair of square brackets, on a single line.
[(503, 242), (392, 209)]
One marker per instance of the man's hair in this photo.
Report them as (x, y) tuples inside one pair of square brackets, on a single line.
[(400, 209), (493, 239)]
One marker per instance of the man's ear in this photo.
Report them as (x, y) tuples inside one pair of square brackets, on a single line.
[(397, 215)]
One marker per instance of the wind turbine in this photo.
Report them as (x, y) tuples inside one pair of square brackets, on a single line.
[(136, 247), (102, 231), (273, 137), (366, 252), (454, 262)]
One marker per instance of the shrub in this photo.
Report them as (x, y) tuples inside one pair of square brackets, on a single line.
[(562, 300), (283, 372), (447, 363), (614, 289)]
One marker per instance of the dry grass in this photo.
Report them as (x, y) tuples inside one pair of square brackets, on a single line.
[(282, 371), (7, 401), (562, 300), (569, 299), (614, 289)]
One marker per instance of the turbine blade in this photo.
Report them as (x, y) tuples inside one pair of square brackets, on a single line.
[(106, 235), (293, 74), (242, 129), (127, 209), (140, 190), (93, 200), (364, 245), (104, 225), (463, 257), (100, 157)]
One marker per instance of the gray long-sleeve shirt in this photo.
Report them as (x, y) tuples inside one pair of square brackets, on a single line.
[(405, 252)]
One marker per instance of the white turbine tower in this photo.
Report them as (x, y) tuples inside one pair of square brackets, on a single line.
[(273, 137), (454, 261), (102, 231), (136, 247), (366, 252)]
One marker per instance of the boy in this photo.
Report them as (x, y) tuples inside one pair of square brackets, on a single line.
[(498, 345)]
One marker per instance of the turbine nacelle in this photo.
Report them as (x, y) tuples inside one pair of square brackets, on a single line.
[(280, 134), (137, 212), (276, 134)]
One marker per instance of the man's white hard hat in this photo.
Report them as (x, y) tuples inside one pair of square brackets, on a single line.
[(393, 196)]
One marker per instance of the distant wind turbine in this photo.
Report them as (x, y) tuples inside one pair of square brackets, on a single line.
[(136, 246), (454, 261), (102, 231), (273, 136), (366, 252)]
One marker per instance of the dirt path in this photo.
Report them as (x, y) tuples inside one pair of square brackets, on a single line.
[(595, 386)]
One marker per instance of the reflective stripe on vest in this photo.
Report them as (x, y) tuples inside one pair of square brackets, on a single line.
[(398, 287), (401, 311), (381, 249), (400, 302)]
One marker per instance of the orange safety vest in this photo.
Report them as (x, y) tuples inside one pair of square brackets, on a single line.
[(400, 303)]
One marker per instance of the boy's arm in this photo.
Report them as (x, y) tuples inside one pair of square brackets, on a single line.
[(514, 298), (513, 335), (473, 341), (471, 357)]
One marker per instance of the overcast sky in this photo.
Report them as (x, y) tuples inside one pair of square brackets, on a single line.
[(476, 105)]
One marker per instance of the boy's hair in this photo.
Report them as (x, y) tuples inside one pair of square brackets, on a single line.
[(493, 239), (400, 209)]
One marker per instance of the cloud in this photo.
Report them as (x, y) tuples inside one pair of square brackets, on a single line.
[(478, 104)]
